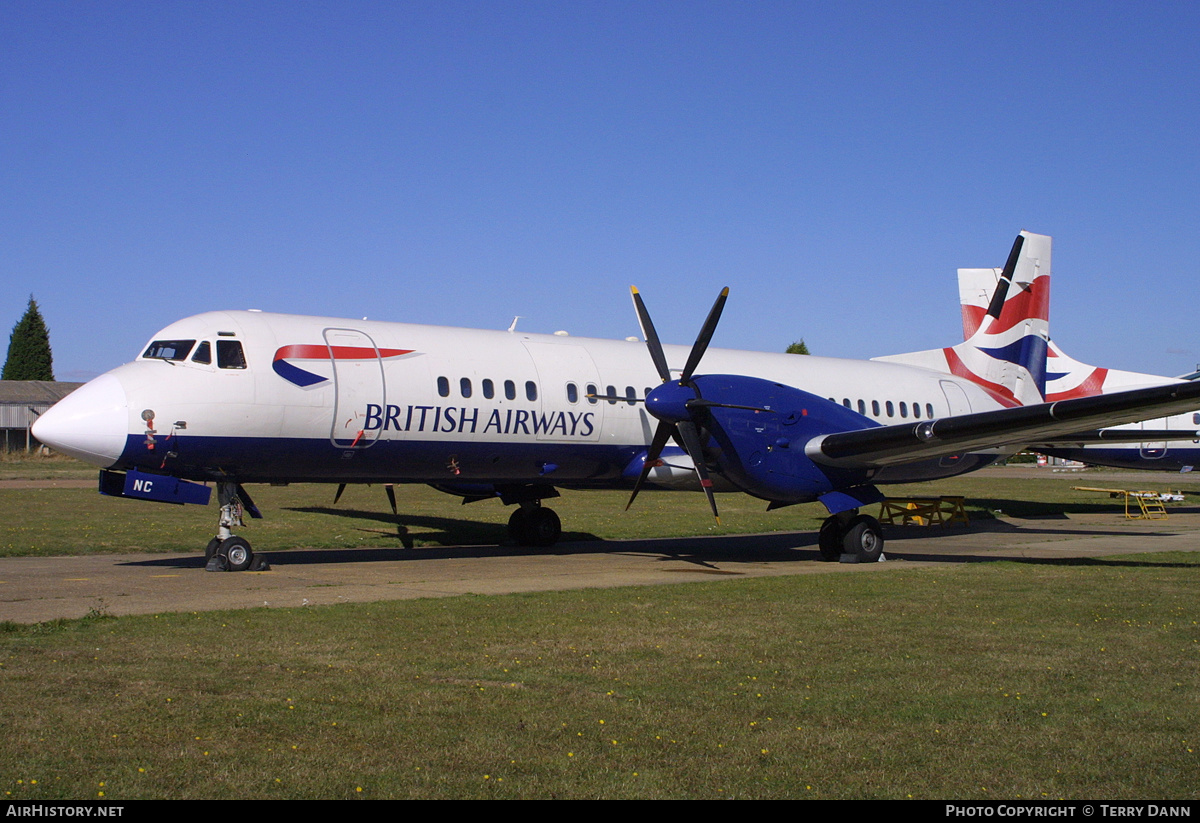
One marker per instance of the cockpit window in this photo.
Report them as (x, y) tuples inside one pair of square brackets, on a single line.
[(229, 355), (169, 349), (203, 353)]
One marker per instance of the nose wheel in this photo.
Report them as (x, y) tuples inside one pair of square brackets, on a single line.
[(233, 554), (227, 552)]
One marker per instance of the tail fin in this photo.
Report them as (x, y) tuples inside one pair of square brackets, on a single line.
[(1005, 349), (980, 289)]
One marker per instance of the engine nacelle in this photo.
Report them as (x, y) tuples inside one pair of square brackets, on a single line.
[(761, 448)]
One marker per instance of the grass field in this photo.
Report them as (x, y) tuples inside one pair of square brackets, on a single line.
[(40, 521), (1000, 680)]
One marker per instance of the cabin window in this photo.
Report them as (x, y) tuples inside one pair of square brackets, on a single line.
[(203, 353), (510, 390), (443, 387), (929, 410), (862, 407), (230, 355), (530, 390), (572, 393), (464, 387), (489, 389), (846, 402), (591, 393), (891, 410), (169, 349), (611, 391), (903, 409), (916, 409), (875, 408), (631, 395)]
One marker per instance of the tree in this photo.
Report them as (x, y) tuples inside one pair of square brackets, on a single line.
[(29, 355), (798, 347)]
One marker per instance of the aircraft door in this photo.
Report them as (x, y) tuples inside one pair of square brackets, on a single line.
[(956, 398), (565, 373), (959, 403), (1153, 450), (358, 382)]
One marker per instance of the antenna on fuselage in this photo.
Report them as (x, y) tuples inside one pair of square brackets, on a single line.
[(513, 327)]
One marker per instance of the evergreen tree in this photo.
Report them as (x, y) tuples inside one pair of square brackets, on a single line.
[(29, 355), (798, 347)]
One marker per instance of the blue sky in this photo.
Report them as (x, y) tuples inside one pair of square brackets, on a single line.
[(460, 163)]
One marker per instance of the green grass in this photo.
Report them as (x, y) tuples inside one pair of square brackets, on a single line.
[(57, 521), (1001, 680), (1005, 680)]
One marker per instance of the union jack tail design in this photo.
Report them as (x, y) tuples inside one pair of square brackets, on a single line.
[(979, 290), (1007, 333)]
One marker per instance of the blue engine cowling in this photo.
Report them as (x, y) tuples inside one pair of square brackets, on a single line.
[(761, 449)]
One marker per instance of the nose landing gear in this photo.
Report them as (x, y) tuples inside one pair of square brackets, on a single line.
[(227, 551)]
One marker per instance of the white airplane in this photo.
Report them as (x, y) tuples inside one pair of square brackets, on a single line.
[(1164, 444), (242, 397)]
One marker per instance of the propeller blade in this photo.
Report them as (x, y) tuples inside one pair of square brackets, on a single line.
[(691, 443), (652, 342), (338, 495), (1010, 268), (391, 495), (705, 336), (661, 435)]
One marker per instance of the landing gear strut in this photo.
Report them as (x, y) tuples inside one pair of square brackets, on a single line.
[(851, 538), (227, 551), (532, 524)]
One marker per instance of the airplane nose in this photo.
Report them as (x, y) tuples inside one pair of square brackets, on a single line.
[(90, 423)]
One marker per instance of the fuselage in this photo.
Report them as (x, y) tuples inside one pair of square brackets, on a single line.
[(259, 397)]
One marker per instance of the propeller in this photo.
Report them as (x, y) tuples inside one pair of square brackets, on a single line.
[(674, 401)]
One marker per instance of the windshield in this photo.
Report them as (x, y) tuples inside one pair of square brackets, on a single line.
[(169, 349)]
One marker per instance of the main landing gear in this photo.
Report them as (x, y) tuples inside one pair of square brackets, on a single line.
[(532, 524), (851, 538), (227, 552)]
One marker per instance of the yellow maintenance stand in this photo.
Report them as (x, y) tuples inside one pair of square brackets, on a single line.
[(1150, 504), (923, 511)]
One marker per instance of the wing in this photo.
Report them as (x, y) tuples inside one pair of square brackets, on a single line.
[(1065, 419)]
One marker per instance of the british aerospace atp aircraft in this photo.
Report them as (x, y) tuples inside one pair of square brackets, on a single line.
[(237, 397)]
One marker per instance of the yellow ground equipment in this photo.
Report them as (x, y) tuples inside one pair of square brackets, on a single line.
[(923, 511), (1149, 504)]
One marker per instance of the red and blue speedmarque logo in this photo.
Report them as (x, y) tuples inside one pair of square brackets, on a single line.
[(289, 371)]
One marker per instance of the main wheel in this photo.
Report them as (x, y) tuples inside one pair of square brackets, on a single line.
[(829, 539), (544, 527), (211, 548), (237, 553), (518, 526), (864, 538)]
